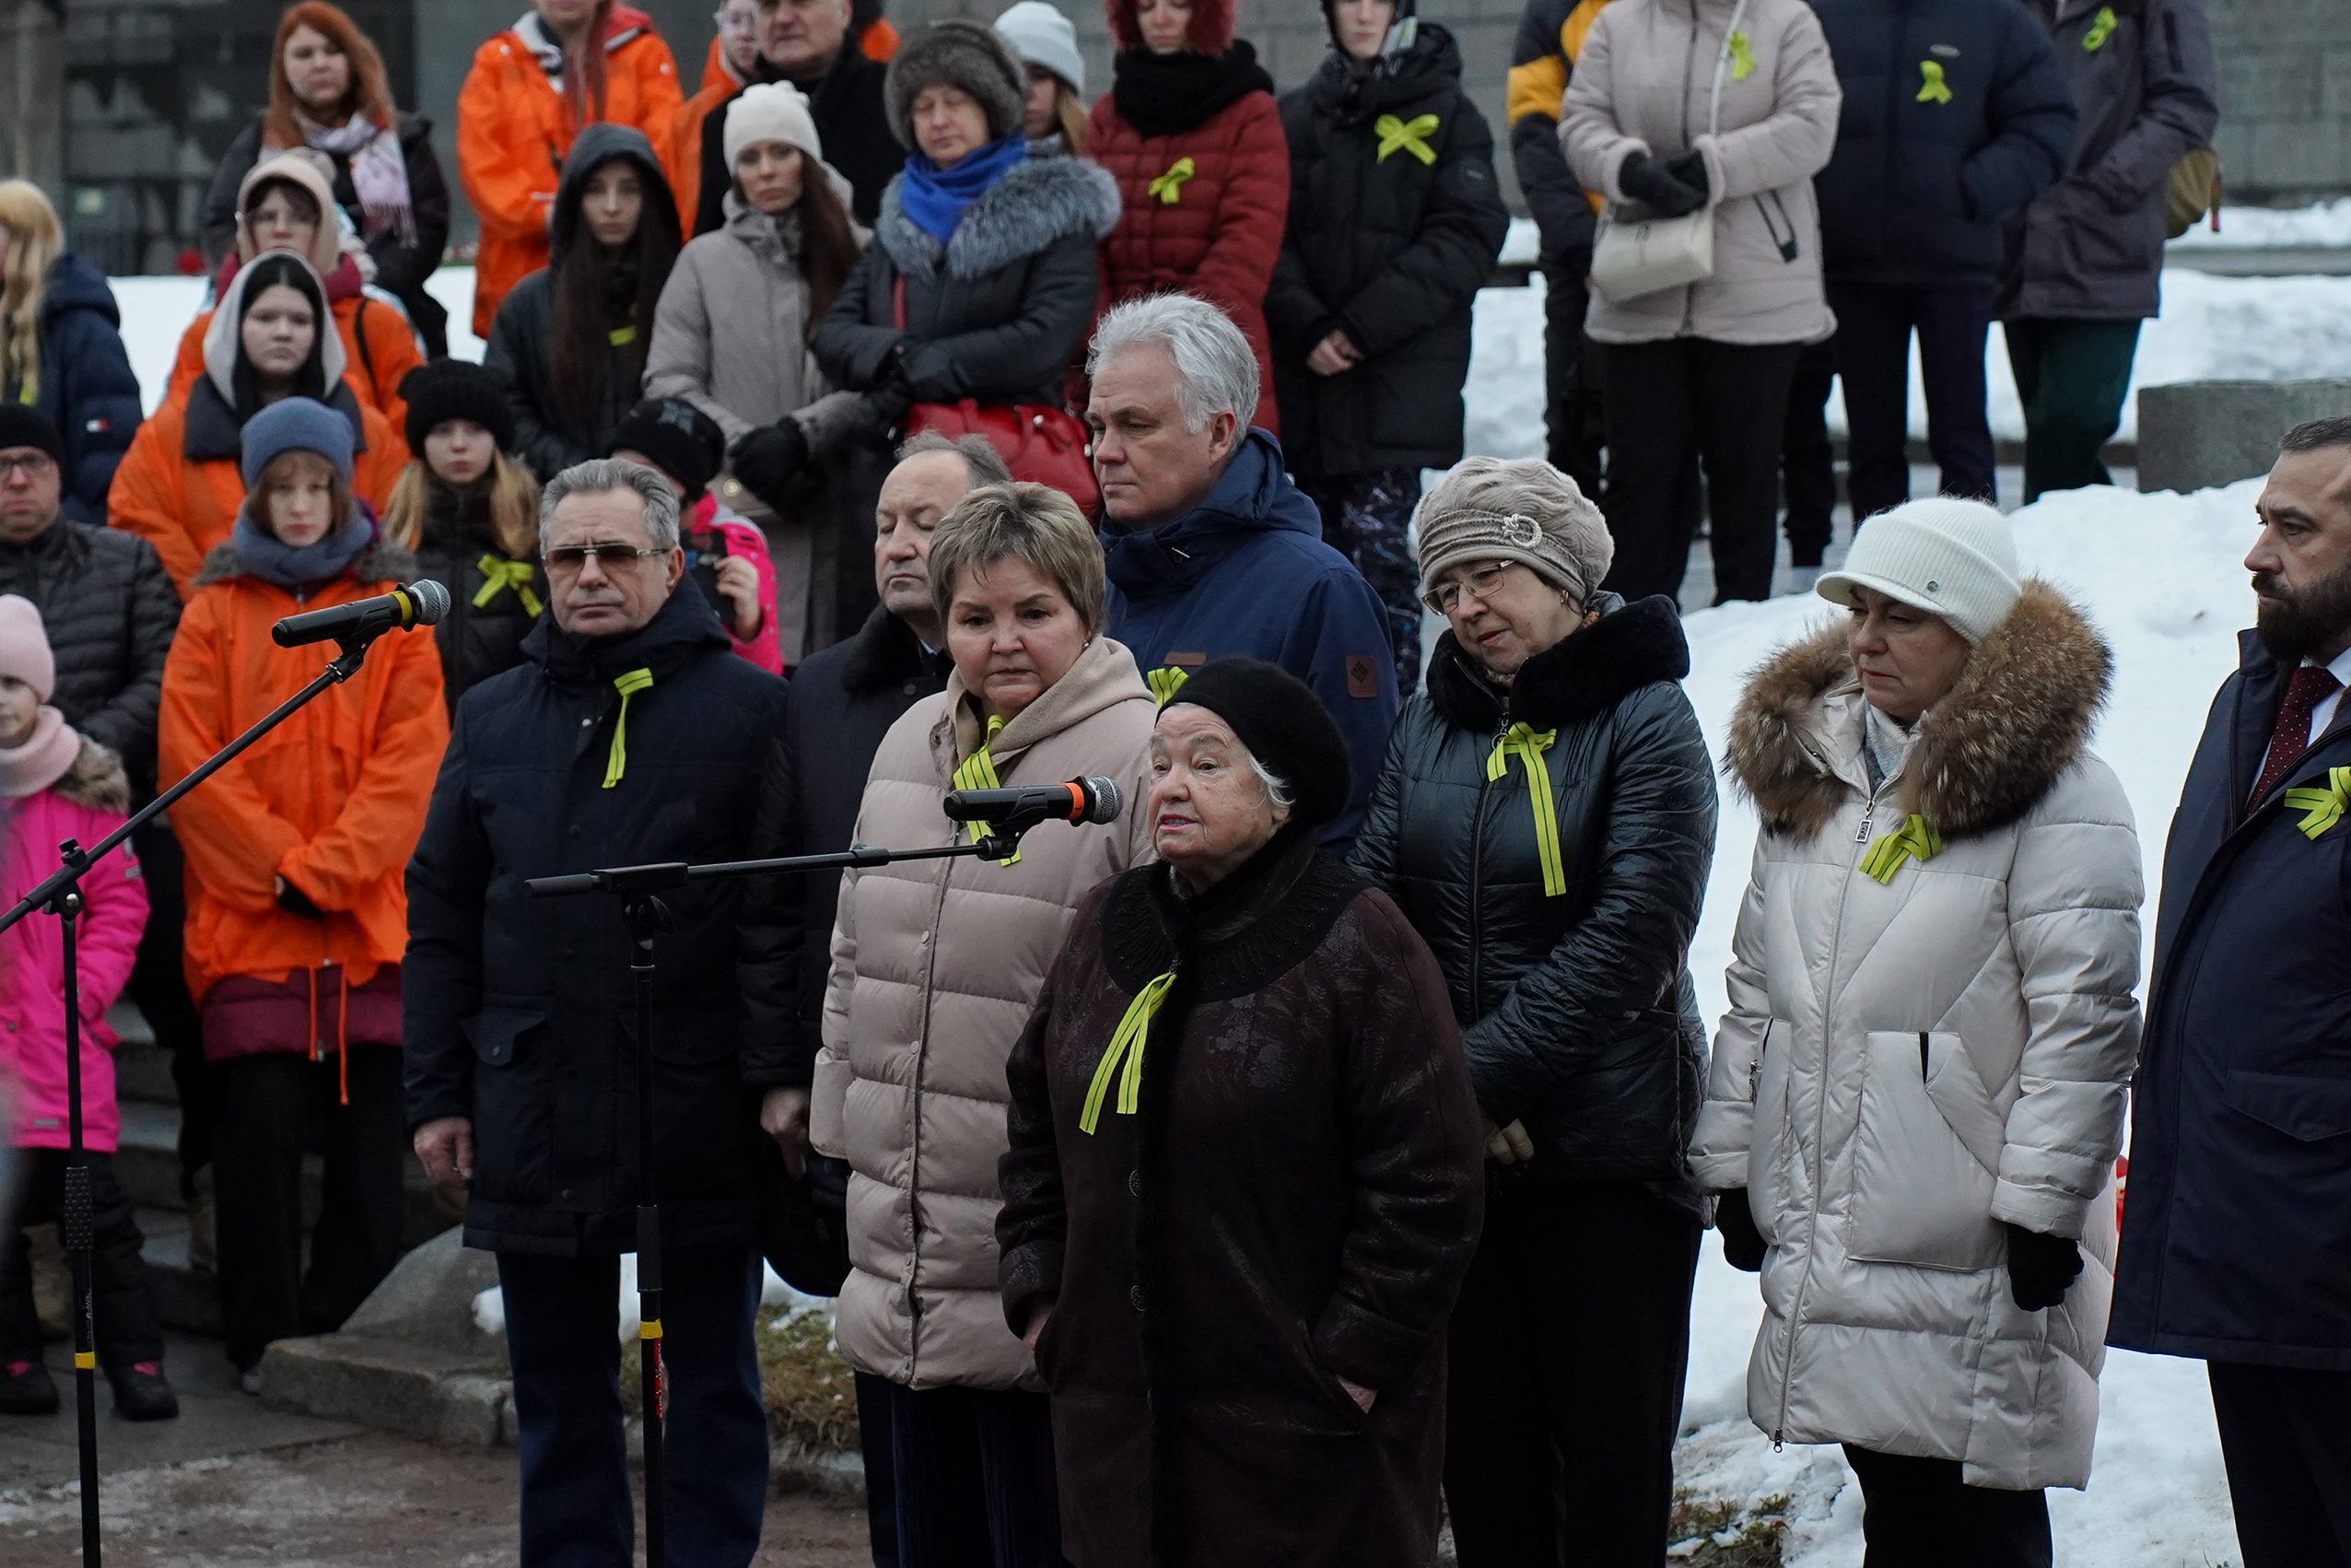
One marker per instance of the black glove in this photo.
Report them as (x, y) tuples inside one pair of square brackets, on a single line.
[(1690, 169), (2041, 1268), (1645, 180), (1742, 1242), (294, 901), (769, 458)]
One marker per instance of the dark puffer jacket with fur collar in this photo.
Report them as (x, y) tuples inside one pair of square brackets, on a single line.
[(999, 312), (1577, 1010)]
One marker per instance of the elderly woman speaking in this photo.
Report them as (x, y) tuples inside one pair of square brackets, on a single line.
[(1244, 1179), (1917, 1093), (1546, 820), (935, 966)]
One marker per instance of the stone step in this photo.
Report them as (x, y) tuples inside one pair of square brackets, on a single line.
[(187, 1299)]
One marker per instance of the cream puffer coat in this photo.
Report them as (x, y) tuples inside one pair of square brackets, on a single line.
[(1905, 1066), (936, 965), (1643, 84)]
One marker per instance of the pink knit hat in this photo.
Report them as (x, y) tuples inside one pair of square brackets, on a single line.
[(24, 645)]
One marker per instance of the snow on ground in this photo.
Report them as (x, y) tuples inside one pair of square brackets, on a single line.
[(2258, 329), (2326, 224), (2160, 575)]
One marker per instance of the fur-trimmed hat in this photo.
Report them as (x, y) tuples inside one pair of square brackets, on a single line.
[(964, 54)]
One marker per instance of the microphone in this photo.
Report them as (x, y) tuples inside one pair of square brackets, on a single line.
[(1012, 811), (403, 609)]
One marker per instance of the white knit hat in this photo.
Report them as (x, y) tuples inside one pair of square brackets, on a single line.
[(770, 112), (1951, 557), (1043, 36)]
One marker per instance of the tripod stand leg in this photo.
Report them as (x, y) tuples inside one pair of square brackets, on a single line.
[(646, 916), (76, 1218)]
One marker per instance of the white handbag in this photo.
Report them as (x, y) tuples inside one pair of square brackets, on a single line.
[(1633, 257)]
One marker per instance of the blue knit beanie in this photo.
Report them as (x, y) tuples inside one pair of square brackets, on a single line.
[(297, 423)]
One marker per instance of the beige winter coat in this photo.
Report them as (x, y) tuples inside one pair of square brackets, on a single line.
[(935, 967), (1642, 85), (1907, 1065)]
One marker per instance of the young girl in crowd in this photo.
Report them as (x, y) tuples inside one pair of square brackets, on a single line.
[(1055, 117), (57, 784), (469, 514), (571, 339), (61, 348), (725, 552), (296, 919)]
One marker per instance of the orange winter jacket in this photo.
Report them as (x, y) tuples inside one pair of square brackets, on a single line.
[(513, 132), (378, 349), (683, 157), (333, 799)]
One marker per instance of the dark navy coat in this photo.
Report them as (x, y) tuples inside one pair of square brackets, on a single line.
[(519, 1011), (1246, 573), (2237, 1233), (1955, 112), (86, 387)]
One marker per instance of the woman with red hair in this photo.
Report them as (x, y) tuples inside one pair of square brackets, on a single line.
[(327, 91), (1190, 132)]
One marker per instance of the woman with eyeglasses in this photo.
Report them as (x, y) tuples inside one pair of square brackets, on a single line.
[(1545, 818)]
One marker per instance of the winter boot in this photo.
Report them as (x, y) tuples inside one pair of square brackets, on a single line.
[(27, 1389), (141, 1392)]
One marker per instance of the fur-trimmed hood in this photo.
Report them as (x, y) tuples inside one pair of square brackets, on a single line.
[(380, 563), (2020, 715), (1038, 202), (1629, 647), (97, 779)]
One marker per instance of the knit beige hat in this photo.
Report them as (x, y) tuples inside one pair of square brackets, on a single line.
[(1951, 557), (1489, 508)]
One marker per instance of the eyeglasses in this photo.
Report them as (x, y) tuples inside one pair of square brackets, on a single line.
[(32, 466), (1482, 581), (611, 558)]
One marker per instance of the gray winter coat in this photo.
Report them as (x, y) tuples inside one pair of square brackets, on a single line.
[(1644, 83), (2090, 247), (1907, 1065)]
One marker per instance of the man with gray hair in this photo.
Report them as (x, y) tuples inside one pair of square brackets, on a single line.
[(1212, 551), (631, 735)]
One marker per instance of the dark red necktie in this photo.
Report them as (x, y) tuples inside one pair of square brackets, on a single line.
[(2290, 736)]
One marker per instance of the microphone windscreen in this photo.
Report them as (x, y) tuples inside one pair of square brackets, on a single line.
[(1107, 800), (431, 599)]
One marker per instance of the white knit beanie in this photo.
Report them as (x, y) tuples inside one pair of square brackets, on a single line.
[(770, 112), (1043, 36), (1951, 557)]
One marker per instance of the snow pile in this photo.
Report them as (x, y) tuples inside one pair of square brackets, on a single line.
[(2160, 576), (2324, 226), (489, 1307)]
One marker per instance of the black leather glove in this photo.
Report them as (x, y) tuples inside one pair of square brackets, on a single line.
[(294, 901), (1646, 180), (1690, 169), (2041, 1268), (1742, 1242), (767, 459)]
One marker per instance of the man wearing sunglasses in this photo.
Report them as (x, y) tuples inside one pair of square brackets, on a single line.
[(631, 735)]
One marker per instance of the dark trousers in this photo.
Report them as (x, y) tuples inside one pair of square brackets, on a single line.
[(975, 1484), (1919, 1514), (2286, 1438), (2073, 377), (1564, 1392), (563, 1345), (269, 1104), (1368, 519), (881, 1467), (1807, 460), (158, 986), (1723, 401), (1874, 322), (1573, 424), (119, 1296)]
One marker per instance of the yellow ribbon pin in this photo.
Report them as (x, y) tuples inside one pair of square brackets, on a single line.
[(2101, 27), (1168, 186), (2322, 807), (1529, 745), (1164, 681), (628, 685), (498, 574), (1409, 135), (1935, 89), (1742, 57), (1916, 838), (1124, 1058), (977, 771)]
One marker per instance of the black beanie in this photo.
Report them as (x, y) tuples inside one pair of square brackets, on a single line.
[(456, 389), (24, 426), (684, 442), (1284, 725)]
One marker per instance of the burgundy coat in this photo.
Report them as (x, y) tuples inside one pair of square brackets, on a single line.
[(1295, 1201)]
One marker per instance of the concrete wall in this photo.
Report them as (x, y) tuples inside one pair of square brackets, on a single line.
[(2285, 68)]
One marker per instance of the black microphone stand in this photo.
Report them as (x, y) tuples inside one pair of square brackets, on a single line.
[(647, 917), (61, 894)]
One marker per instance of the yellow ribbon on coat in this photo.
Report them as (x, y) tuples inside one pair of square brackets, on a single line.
[(977, 771), (29, 393), (1915, 839), (1164, 681), (501, 574), (1124, 1058), (1407, 135), (2322, 806), (1742, 55), (628, 685), (1170, 184), (1529, 745), (1935, 89), (2101, 27)]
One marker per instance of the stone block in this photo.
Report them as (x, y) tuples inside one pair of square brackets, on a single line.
[(427, 1299), (2195, 435), (418, 1391)]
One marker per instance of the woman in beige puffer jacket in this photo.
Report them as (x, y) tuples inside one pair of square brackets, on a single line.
[(1917, 1093), (936, 965), (1702, 371)]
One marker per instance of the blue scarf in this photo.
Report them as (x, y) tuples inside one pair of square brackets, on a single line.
[(260, 554), (935, 197)]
